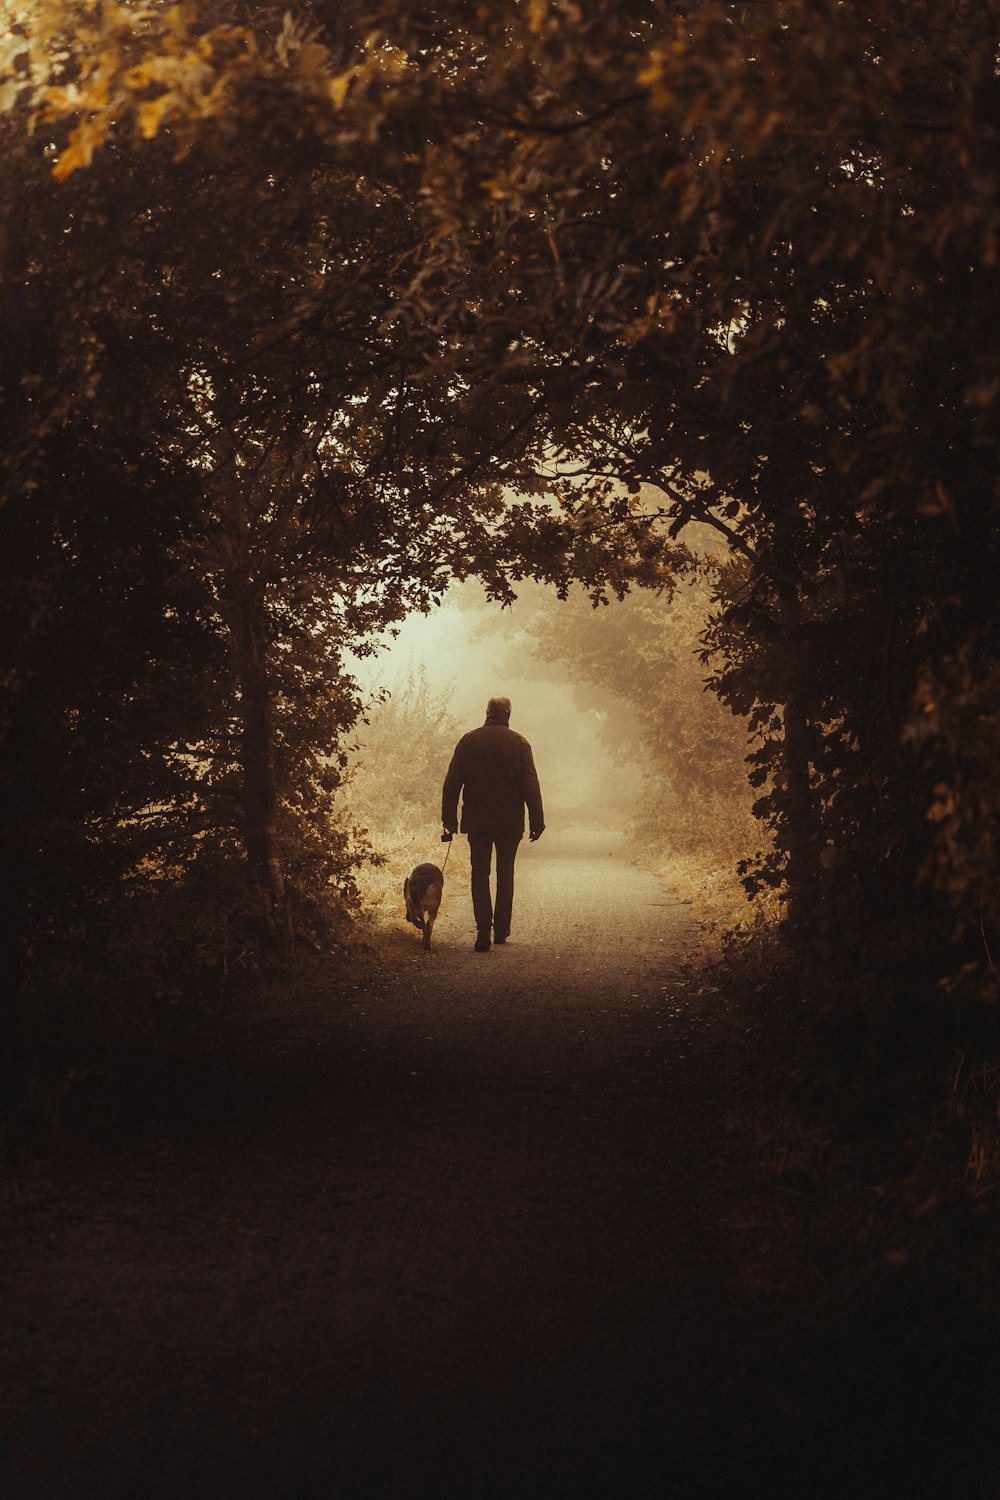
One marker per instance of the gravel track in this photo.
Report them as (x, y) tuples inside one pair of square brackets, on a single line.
[(458, 1231)]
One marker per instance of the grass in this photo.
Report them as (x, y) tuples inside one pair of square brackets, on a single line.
[(394, 847)]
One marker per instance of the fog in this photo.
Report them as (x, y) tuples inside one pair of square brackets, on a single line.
[(469, 650)]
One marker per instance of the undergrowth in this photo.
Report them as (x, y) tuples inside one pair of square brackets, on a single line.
[(886, 1151), (872, 1131), (391, 800)]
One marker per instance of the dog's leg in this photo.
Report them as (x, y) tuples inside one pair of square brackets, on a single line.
[(429, 907), (413, 913)]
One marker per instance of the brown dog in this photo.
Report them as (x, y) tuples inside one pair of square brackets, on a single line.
[(422, 893)]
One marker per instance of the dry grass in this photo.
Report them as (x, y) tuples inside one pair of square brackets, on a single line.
[(395, 848), (713, 891), (391, 796), (696, 849)]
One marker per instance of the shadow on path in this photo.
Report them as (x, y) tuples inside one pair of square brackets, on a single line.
[(462, 1231)]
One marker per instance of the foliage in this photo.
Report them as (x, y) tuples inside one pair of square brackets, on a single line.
[(638, 660), (643, 266), (761, 241), (226, 463), (957, 729), (392, 795), (406, 740)]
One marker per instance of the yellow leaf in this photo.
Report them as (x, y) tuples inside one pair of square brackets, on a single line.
[(156, 70), (312, 57), (944, 804), (83, 141), (538, 11), (497, 188), (179, 18), (337, 87), (151, 114), (650, 76)]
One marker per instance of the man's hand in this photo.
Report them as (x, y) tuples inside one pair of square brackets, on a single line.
[(447, 835), (535, 834)]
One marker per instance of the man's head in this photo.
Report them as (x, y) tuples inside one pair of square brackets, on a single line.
[(498, 711)]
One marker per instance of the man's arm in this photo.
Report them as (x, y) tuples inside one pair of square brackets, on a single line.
[(532, 794), (453, 783)]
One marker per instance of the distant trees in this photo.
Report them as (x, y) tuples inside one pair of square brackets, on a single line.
[(392, 787), (638, 662)]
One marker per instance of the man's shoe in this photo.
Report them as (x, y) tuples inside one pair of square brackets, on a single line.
[(482, 942), (499, 937)]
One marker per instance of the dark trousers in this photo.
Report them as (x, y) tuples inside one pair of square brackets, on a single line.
[(481, 847)]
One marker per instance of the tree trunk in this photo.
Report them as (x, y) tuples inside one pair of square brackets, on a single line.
[(259, 795)]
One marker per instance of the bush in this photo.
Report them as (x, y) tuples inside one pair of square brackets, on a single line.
[(390, 807)]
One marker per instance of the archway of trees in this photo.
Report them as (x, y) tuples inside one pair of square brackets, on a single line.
[(308, 314)]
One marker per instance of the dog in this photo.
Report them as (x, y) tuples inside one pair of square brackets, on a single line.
[(422, 894)]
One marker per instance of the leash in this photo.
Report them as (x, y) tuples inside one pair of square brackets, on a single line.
[(447, 856)]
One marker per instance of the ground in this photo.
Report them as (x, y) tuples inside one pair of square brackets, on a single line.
[(475, 1225)]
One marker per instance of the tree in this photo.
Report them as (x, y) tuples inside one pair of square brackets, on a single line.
[(638, 661)]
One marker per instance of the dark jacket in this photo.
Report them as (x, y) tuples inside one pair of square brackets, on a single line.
[(496, 768)]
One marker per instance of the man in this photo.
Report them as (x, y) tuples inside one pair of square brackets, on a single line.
[(496, 768)]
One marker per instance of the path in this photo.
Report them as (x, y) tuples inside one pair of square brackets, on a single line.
[(456, 1233)]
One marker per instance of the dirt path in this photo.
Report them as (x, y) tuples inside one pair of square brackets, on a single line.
[(458, 1232)]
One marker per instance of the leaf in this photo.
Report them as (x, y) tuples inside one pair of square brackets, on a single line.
[(83, 142), (538, 11), (151, 114), (312, 58), (337, 87)]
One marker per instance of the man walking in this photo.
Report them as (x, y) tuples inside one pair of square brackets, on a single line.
[(497, 770)]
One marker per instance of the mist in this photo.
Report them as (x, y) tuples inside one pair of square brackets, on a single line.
[(468, 649)]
